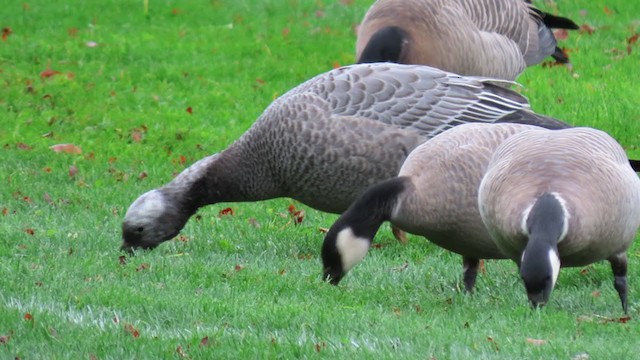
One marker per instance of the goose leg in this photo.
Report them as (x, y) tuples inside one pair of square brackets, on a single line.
[(400, 235), (470, 272), (619, 268)]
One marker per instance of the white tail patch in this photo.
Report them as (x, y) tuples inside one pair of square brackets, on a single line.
[(565, 211), (554, 260), (352, 249)]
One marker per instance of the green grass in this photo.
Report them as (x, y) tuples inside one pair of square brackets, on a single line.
[(250, 283)]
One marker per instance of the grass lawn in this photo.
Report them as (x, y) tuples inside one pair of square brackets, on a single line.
[(143, 95)]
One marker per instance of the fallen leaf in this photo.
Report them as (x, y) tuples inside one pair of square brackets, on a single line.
[(6, 32), (122, 260), (143, 266), (586, 29), (30, 231), (131, 330), (595, 294), (48, 73), (73, 170), (238, 267), (180, 352), (66, 148), (5, 211), (204, 341), (116, 319), (336, 64), (190, 110), (226, 211), (142, 175), (323, 230), (561, 34), (72, 32), (536, 341), (633, 39), (607, 11), (23, 146), (28, 317)]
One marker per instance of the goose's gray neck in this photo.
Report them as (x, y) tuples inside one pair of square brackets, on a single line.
[(230, 176)]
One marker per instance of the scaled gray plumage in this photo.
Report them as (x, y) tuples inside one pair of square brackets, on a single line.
[(325, 141)]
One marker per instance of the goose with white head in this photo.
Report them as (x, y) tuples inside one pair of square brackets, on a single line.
[(561, 199), (325, 141)]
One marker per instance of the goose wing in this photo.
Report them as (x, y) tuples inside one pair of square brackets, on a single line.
[(421, 98)]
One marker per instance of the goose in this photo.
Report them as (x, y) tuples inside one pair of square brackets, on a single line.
[(433, 195), (494, 38), (561, 199), (325, 141)]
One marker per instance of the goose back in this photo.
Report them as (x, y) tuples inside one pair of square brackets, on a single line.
[(495, 38)]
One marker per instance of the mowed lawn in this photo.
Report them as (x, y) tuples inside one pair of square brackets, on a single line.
[(142, 94)]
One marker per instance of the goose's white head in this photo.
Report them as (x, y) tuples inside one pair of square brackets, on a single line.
[(151, 220)]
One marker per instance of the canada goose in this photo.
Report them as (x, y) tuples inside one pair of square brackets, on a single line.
[(434, 195), (561, 199), (325, 141), (495, 38)]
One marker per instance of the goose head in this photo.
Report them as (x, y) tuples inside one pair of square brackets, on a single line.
[(341, 251), (151, 220)]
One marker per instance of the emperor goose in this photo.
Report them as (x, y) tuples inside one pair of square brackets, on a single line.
[(325, 141), (495, 38), (434, 195), (561, 199)]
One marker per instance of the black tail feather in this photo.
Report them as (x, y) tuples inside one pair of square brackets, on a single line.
[(635, 165), (558, 22)]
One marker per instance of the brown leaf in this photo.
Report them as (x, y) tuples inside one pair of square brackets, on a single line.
[(131, 330), (536, 341), (6, 32), (73, 171), (136, 136), (66, 148), (586, 29), (238, 267), (23, 146), (561, 34), (48, 73), (5, 211), (180, 352), (143, 266), (204, 341), (607, 11), (72, 32), (226, 211), (30, 231), (323, 230), (633, 39), (142, 175), (116, 319), (122, 260), (190, 110), (28, 317)]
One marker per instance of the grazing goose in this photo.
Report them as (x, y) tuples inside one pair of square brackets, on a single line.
[(495, 38), (325, 141), (561, 199), (434, 195)]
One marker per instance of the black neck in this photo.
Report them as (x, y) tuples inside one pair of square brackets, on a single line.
[(387, 44)]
